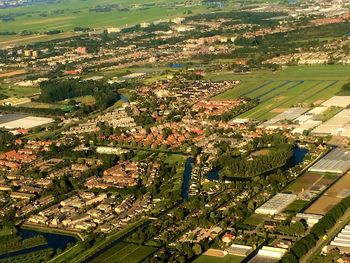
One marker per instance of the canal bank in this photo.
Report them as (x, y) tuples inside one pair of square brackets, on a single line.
[(55, 241)]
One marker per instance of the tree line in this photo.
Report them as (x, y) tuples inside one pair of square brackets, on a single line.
[(302, 246), (56, 90)]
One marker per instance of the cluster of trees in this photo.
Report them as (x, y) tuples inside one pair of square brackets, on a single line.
[(294, 229), (251, 103), (243, 166), (16, 243), (37, 111), (302, 246), (257, 18), (5, 139), (345, 89), (56, 90)]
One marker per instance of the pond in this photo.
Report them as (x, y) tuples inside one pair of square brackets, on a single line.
[(187, 178), (123, 98), (54, 241)]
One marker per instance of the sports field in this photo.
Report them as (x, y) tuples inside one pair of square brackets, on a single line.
[(126, 253), (292, 86)]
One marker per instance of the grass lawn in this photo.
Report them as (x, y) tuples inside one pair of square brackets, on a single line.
[(175, 158), (19, 92), (6, 231), (255, 220), (226, 259), (95, 249), (296, 206), (125, 252)]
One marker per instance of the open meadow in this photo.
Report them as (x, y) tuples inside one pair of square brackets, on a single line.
[(65, 15), (292, 86)]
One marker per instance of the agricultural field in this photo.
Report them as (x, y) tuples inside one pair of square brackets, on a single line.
[(292, 86), (65, 15), (125, 252), (296, 206), (332, 196), (304, 182), (225, 259)]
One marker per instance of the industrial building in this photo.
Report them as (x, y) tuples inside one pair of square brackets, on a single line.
[(341, 241), (336, 161), (269, 255), (338, 125), (310, 219), (239, 250), (337, 101), (276, 204), (289, 115)]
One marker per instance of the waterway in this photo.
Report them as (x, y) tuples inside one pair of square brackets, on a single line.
[(298, 157), (123, 98), (187, 178), (185, 190), (54, 241)]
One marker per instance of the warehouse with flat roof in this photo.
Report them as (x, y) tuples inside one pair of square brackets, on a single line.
[(276, 204), (289, 115), (341, 241), (338, 125), (336, 161), (337, 101)]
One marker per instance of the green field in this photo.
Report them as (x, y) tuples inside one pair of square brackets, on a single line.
[(296, 206), (226, 259), (255, 220), (65, 15), (125, 252), (292, 86)]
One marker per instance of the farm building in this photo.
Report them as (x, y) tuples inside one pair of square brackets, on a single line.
[(341, 241), (239, 250), (337, 161), (276, 204), (310, 219), (337, 101), (338, 125), (268, 255), (289, 115), (15, 121)]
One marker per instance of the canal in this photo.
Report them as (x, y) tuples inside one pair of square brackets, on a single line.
[(54, 241)]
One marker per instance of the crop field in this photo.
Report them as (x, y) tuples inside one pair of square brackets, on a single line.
[(225, 259), (304, 182), (65, 15), (296, 206), (125, 252), (297, 85), (332, 196), (12, 73)]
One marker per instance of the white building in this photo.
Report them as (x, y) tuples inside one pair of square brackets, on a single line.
[(276, 204)]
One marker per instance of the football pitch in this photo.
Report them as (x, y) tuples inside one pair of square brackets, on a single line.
[(293, 86)]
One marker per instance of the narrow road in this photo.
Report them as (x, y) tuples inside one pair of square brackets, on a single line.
[(344, 220)]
